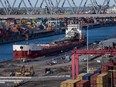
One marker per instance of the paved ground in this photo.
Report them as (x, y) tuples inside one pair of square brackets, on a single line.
[(49, 83), (40, 65)]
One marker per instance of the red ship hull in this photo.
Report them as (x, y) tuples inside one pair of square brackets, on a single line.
[(57, 48)]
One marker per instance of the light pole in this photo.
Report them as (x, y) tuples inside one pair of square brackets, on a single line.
[(87, 49)]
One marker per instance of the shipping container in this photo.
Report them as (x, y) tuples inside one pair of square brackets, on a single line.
[(93, 79), (114, 81), (87, 76), (104, 68), (102, 85), (83, 83), (110, 67), (97, 71), (114, 68), (93, 85), (69, 83), (64, 83), (79, 77), (114, 75), (92, 71), (110, 81), (102, 78), (110, 63), (109, 74), (72, 83)]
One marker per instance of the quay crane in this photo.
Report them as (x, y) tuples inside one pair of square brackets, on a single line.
[(77, 53)]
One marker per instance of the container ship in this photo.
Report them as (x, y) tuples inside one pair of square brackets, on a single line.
[(74, 37)]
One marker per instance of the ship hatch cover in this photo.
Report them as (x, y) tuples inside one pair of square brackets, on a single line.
[(21, 47)]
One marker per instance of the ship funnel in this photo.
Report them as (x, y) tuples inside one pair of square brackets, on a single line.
[(74, 30)]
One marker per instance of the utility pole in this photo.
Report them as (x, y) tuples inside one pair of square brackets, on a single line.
[(87, 49)]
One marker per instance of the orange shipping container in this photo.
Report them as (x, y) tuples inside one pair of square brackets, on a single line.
[(102, 78), (103, 85), (83, 83), (64, 83), (92, 71), (79, 77), (69, 83), (72, 83)]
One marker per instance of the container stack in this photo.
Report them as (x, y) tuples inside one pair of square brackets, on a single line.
[(64, 83), (102, 80), (104, 68), (106, 77), (97, 71), (87, 76), (80, 76), (83, 83), (93, 80), (92, 71), (114, 77), (72, 83), (69, 83), (107, 66)]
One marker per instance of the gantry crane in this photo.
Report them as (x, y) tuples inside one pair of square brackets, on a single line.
[(77, 53)]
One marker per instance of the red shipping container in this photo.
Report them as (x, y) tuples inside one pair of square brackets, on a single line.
[(83, 83), (114, 81), (114, 75), (93, 85), (104, 71), (93, 78), (104, 67), (110, 63)]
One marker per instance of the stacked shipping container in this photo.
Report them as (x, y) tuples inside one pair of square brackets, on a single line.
[(107, 78), (69, 83), (83, 83), (92, 71), (87, 76), (110, 67), (80, 76), (102, 80), (114, 77), (93, 80)]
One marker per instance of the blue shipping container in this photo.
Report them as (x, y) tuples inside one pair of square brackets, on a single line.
[(97, 71), (87, 76)]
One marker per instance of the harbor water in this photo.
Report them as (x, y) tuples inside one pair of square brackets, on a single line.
[(93, 35)]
